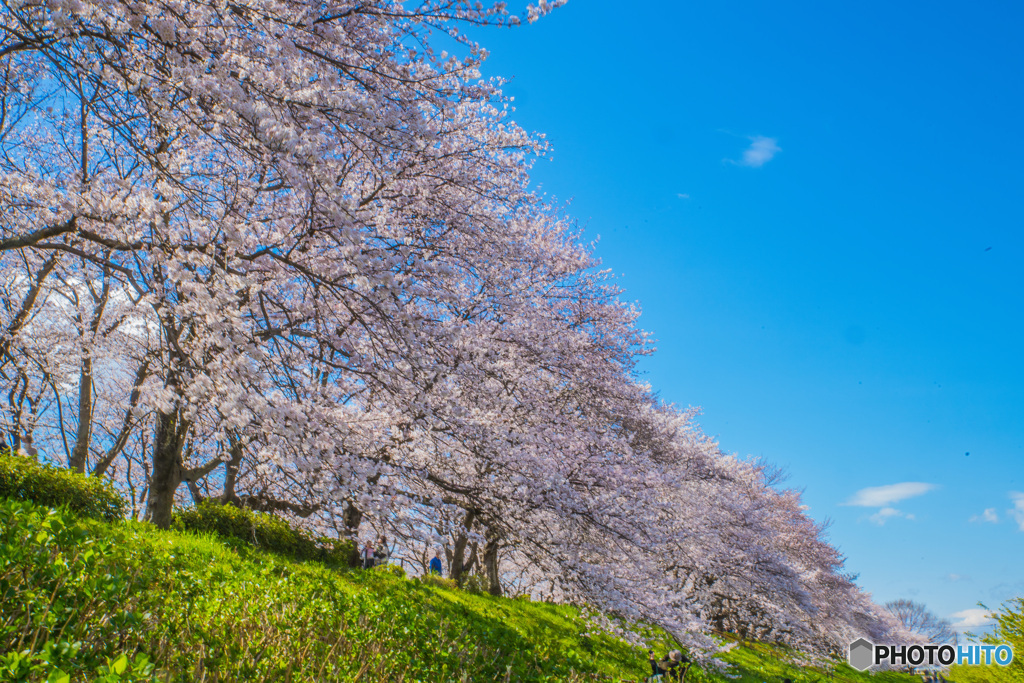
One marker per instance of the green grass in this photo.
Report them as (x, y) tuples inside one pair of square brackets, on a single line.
[(757, 662), (85, 600)]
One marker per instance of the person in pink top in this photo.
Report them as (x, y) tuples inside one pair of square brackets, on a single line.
[(367, 555)]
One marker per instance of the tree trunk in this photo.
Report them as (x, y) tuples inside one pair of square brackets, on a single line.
[(80, 453), (231, 472), (167, 468), (353, 517), (197, 493), (457, 562), (491, 563)]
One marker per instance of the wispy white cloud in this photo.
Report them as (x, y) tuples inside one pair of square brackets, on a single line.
[(989, 515), (957, 577), (883, 496), (683, 195), (887, 513), (1017, 511), (761, 151), (970, 618)]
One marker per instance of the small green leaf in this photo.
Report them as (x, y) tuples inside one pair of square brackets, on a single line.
[(58, 676), (120, 664)]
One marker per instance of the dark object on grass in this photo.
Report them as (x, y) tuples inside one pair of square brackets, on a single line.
[(672, 668)]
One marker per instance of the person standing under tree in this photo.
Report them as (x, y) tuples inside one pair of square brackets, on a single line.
[(435, 564), (367, 556), (380, 553)]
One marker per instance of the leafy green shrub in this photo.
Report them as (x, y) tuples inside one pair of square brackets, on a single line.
[(58, 584), (393, 569), (23, 478), (1009, 630), (265, 531), (439, 581), (475, 583)]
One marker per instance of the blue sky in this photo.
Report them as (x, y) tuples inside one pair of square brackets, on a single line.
[(819, 208)]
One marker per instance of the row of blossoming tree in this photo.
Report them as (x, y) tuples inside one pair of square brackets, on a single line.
[(284, 254)]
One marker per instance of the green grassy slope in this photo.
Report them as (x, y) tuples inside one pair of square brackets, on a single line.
[(83, 600), (756, 662)]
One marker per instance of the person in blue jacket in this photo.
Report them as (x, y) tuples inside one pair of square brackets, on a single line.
[(435, 564)]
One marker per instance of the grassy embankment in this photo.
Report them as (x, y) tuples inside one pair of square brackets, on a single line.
[(126, 601), (86, 597)]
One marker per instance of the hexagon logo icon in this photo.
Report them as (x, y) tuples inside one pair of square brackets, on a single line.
[(861, 654)]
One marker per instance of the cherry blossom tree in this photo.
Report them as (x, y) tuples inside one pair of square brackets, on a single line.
[(286, 253), (270, 179)]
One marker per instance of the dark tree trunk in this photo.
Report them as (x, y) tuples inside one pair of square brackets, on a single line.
[(197, 493), (80, 453), (167, 468), (491, 563), (231, 472), (457, 561), (353, 517), (458, 558)]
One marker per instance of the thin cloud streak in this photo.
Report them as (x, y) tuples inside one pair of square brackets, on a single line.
[(883, 496)]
